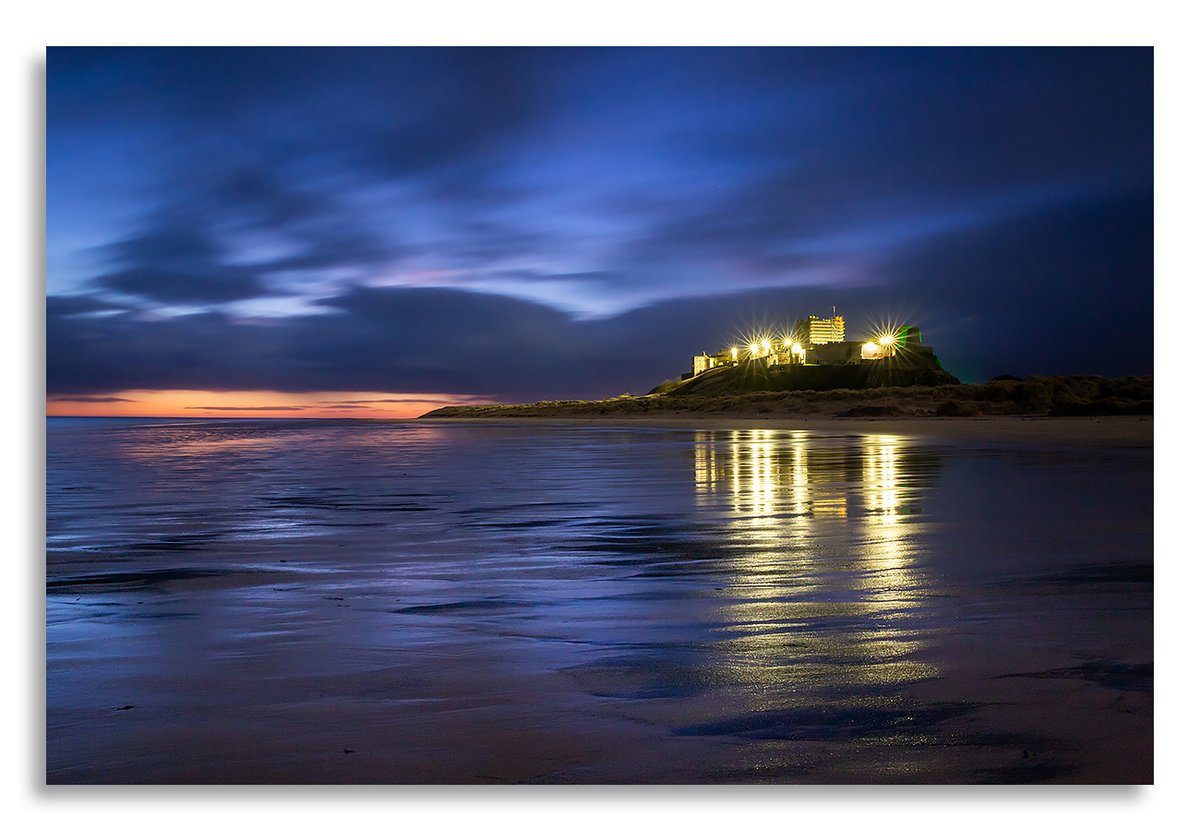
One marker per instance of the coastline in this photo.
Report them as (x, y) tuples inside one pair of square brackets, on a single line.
[(1058, 409), (1110, 431)]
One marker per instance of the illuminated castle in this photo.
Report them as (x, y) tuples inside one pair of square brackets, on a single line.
[(818, 330), (814, 341)]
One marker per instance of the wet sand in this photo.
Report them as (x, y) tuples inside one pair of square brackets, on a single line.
[(721, 601), (1112, 431)]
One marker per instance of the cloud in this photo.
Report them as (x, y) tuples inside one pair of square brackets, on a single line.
[(173, 264), (431, 340), (473, 99), (609, 210), (317, 228), (252, 409), (80, 304), (242, 237), (1063, 291), (93, 399), (981, 299), (183, 286), (671, 169), (406, 400)]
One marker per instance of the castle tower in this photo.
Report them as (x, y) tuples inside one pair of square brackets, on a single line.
[(816, 330)]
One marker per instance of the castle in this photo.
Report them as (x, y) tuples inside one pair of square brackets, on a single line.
[(813, 341)]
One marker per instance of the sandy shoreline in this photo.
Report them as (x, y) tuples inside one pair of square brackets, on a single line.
[(600, 600), (1113, 431)]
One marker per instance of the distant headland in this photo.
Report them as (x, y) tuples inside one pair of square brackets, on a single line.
[(811, 370)]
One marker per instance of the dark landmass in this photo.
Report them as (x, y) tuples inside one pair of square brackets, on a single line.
[(909, 369), (717, 392)]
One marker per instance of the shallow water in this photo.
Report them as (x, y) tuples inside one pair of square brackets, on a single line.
[(290, 601)]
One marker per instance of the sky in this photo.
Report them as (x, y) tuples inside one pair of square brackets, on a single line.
[(377, 232)]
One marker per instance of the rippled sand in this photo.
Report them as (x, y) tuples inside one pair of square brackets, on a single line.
[(597, 602)]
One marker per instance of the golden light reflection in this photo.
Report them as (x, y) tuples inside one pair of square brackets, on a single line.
[(824, 585), (878, 465), (880, 489)]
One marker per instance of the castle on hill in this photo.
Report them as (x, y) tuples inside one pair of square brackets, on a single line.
[(812, 341)]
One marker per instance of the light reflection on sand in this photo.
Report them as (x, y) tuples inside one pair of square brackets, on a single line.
[(786, 493)]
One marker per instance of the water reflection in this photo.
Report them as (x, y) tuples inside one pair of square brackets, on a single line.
[(175, 443), (569, 603), (779, 473), (826, 587)]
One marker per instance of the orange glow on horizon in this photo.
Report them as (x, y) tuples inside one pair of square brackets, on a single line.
[(253, 404)]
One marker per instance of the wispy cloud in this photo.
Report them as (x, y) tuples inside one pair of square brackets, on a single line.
[(407, 400), (249, 409), (93, 399)]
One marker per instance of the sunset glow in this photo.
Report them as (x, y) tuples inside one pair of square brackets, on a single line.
[(253, 404)]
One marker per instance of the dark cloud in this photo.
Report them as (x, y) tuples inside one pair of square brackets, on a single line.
[(249, 409), (185, 258), (429, 340), (321, 227), (471, 100), (80, 304), (1082, 268), (432, 340), (1063, 291), (181, 285), (256, 198), (94, 399), (177, 265), (916, 143), (406, 400)]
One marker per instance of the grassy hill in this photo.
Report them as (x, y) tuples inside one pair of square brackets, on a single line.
[(908, 370), (1004, 396)]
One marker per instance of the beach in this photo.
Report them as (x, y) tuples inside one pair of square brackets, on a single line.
[(707, 600), (1128, 431)]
